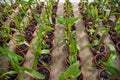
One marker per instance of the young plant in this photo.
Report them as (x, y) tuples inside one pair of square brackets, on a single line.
[(109, 64), (40, 42)]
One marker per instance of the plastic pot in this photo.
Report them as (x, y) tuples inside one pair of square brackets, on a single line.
[(97, 58), (118, 46), (22, 49), (4, 17), (34, 22), (1, 41), (102, 50), (14, 76), (81, 77), (44, 58), (49, 36), (103, 74), (30, 28), (28, 36), (49, 45), (45, 71), (14, 6), (24, 58)]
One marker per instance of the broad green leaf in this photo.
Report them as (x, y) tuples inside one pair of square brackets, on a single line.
[(72, 71), (61, 20), (73, 46), (33, 73), (111, 69), (45, 51), (18, 37)]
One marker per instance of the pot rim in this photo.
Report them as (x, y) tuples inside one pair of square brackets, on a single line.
[(100, 66)]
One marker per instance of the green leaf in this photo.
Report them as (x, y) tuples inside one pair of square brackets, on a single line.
[(33, 73), (18, 37), (72, 59), (72, 71), (70, 21), (61, 20), (104, 30), (96, 11), (8, 73), (111, 69), (117, 28), (112, 56), (73, 46), (45, 51)]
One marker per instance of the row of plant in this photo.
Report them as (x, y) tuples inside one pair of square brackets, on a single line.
[(98, 25), (44, 43), (72, 60), (20, 32)]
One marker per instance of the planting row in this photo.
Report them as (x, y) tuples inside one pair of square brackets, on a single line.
[(98, 24)]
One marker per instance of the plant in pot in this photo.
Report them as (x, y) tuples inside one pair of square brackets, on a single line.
[(68, 22), (98, 46), (16, 72), (73, 54), (20, 37), (72, 73), (110, 71)]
